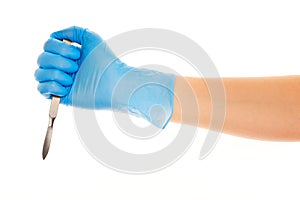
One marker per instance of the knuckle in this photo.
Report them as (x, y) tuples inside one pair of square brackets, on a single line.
[(36, 74), (39, 59)]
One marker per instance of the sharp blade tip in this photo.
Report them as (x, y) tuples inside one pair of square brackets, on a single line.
[(44, 155)]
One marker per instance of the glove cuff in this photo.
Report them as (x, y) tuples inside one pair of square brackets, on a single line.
[(145, 93)]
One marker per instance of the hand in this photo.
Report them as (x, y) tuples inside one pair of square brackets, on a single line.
[(59, 62), (91, 76)]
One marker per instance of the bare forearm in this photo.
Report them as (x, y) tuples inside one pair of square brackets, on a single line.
[(265, 108)]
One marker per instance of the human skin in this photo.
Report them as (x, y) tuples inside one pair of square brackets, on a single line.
[(263, 108)]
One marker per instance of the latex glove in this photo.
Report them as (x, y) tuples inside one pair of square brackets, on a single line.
[(92, 77)]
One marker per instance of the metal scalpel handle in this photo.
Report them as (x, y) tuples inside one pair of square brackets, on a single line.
[(52, 115)]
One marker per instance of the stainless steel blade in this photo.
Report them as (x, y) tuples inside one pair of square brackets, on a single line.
[(47, 141)]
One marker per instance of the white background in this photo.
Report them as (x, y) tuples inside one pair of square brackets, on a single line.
[(243, 38)]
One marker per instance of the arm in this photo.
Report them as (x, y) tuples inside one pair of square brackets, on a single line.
[(260, 108), (257, 108)]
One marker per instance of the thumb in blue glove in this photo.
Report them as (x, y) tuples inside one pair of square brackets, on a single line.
[(92, 77)]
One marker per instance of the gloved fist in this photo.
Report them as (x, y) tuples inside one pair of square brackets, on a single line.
[(91, 76), (59, 62)]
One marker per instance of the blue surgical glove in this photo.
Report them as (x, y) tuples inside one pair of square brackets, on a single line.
[(92, 77)]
